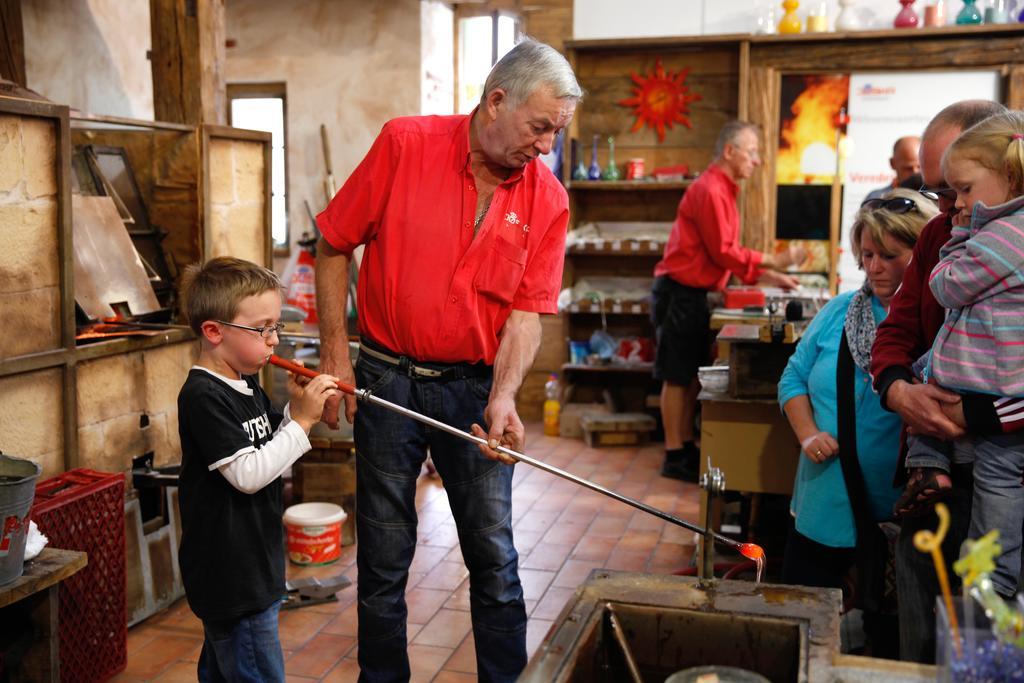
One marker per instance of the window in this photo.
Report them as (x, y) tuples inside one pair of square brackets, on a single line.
[(482, 41), (261, 106)]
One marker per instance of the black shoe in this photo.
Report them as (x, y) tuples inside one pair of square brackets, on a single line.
[(687, 469)]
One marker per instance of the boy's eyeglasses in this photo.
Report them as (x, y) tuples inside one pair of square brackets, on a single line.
[(933, 193), (892, 204), (266, 331)]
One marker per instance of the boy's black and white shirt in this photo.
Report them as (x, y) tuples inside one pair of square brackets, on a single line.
[(232, 547)]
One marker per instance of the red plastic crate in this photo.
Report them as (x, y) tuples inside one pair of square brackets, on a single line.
[(84, 510)]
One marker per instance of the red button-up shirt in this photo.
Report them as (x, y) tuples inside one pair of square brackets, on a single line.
[(704, 245), (428, 288)]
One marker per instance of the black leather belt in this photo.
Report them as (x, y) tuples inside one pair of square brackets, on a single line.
[(428, 371)]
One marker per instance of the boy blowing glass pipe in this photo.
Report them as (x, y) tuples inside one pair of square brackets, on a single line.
[(235, 447)]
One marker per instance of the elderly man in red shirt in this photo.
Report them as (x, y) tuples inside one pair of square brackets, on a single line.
[(465, 236), (703, 250)]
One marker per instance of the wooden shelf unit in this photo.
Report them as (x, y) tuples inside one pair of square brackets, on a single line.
[(737, 76), (99, 405), (628, 185), (603, 69)]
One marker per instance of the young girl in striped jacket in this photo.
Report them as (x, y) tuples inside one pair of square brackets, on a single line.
[(980, 348)]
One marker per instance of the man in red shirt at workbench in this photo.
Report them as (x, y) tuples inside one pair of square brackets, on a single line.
[(465, 239), (703, 250)]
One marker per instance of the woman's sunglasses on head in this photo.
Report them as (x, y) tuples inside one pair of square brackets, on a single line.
[(892, 204)]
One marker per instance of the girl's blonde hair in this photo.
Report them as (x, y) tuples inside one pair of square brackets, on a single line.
[(903, 227), (997, 143)]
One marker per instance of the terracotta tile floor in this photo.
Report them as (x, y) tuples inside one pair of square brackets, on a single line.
[(562, 531)]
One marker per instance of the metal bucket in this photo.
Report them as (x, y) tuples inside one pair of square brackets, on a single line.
[(17, 490), (718, 674)]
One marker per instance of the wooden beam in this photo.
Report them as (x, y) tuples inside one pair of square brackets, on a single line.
[(12, 54), (759, 193), (187, 59), (1015, 87)]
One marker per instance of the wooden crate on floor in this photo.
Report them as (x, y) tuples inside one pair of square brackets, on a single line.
[(570, 425), (327, 474), (617, 429)]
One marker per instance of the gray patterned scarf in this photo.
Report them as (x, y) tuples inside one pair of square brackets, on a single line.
[(860, 327)]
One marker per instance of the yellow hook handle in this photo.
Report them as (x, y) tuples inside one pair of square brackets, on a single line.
[(931, 542)]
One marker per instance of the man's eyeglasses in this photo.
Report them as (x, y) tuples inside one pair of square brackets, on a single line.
[(266, 331), (892, 204), (933, 193)]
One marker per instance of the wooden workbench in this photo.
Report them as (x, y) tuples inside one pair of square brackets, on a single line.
[(33, 598)]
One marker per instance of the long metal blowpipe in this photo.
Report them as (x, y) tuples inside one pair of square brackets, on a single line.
[(749, 550)]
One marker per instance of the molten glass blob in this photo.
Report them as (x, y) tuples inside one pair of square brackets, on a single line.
[(751, 551)]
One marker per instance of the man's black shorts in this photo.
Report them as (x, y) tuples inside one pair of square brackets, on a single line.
[(681, 321)]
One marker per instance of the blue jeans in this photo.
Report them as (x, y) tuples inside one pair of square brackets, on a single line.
[(999, 502), (390, 450), (928, 451), (245, 649)]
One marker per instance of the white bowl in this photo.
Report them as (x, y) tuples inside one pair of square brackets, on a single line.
[(714, 378)]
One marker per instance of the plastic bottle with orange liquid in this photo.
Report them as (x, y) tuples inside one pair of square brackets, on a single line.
[(552, 407)]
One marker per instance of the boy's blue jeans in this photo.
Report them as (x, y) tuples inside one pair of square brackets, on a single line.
[(245, 649), (391, 449)]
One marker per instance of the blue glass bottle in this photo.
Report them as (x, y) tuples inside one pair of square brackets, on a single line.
[(594, 172), (969, 14)]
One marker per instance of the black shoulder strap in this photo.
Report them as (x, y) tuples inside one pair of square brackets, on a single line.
[(852, 474)]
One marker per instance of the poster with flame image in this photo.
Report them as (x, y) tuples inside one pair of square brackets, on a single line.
[(808, 109), (807, 162)]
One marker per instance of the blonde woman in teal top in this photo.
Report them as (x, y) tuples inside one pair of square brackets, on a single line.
[(822, 542)]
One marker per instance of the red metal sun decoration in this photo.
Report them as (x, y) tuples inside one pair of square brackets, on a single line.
[(661, 99)]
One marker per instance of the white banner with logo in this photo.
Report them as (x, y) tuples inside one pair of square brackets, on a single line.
[(884, 107)]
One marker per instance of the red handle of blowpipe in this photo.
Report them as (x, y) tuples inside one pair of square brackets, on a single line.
[(307, 372)]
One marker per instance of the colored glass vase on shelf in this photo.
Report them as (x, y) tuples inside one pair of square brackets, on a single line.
[(847, 18), (594, 172), (997, 12), (790, 22), (765, 22), (817, 20), (907, 17), (969, 14), (579, 169), (611, 171), (935, 14)]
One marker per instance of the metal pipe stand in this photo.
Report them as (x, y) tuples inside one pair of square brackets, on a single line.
[(712, 481)]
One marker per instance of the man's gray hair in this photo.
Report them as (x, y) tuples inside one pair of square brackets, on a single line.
[(528, 66), (730, 133), (962, 115)]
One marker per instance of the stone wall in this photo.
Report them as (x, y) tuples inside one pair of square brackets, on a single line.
[(127, 406), (31, 418), (90, 54), (237, 201), (348, 64), (30, 275)]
